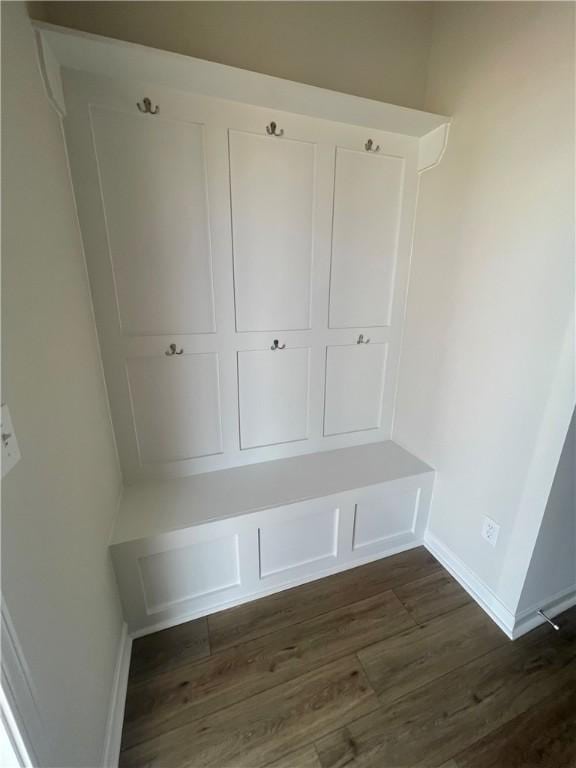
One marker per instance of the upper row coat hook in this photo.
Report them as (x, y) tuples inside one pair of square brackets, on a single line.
[(146, 107), (271, 130), (369, 146)]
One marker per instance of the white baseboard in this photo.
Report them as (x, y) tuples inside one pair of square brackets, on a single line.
[(553, 606), (117, 701), (475, 587), (265, 592), (513, 625)]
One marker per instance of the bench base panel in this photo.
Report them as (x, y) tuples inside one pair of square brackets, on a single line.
[(171, 578)]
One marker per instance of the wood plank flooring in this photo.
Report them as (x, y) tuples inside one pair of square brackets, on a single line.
[(389, 665)]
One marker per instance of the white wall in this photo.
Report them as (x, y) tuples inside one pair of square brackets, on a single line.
[(552, 569), (492, 286), (60, 500), (376, 50)]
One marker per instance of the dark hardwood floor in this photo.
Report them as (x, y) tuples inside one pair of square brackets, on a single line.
[(389, 665)]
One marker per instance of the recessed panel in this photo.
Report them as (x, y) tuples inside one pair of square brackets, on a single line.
[(182, 574), (354, 387), (176, 405), (293, 543), (367, 207), (272, 187), (379, 517), (153, 180), (273, 396)]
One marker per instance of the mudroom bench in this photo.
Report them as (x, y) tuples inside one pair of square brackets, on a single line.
[(186, 547)]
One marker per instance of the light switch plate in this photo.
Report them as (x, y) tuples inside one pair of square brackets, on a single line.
[(10, 450)]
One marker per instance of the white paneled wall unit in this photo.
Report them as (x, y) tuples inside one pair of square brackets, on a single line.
[(248, 264), (248, 245)]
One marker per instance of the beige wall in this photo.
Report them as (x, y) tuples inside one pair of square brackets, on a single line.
[(376, 50), (59, 502), (489, 300), (492, 283)]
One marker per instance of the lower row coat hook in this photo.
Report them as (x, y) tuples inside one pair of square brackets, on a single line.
[(277, 346), (173, 351)]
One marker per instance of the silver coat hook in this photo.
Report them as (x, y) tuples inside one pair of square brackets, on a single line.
[(271, 130), (146, 107), (277, 346), (369, 146), (362, 340), (173, 351)]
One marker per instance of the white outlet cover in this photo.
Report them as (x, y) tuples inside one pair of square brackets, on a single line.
[(490, 530), (10, 450)]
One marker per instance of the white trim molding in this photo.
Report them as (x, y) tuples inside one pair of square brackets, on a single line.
[(27, 729), (62, 47), (50, 71), (115, 721), (483, 595), (192, 615), (529, 619), (30, 735), (432, 146), (12, 745), (513, 625)]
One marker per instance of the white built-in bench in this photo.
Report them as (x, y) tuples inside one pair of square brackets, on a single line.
[(187, 547)]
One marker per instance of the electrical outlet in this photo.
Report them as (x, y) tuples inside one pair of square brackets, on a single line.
[(490, 530), (10, 450)]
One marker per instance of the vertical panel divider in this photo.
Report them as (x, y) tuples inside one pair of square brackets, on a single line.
[(346, 526), (219, 184), (320, 283), (249, 554)]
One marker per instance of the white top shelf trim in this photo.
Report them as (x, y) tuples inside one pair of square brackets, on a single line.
[(62, 47), (154, 507)]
